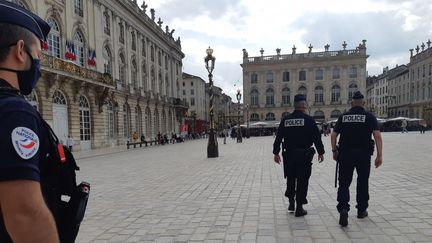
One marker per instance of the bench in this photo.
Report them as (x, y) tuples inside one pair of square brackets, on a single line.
[(129, 144)]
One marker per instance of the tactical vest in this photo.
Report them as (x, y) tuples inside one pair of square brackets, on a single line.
[(66, 201)]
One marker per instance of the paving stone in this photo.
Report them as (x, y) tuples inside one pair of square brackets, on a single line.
[(175, 194)]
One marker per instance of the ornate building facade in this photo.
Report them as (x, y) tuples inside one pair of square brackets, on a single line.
[(328, 79), (109, 70)]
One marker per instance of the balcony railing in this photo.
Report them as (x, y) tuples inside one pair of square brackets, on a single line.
[(74, 70)]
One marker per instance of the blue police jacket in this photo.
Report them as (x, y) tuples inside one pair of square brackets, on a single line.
[(298, 131)]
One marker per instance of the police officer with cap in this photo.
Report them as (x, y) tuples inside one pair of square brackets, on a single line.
[(354, 152), (298, 132), (24, 215)]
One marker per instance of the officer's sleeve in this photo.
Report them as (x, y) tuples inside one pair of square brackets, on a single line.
[(316, 136), (19, 146), (373, 123), (338, 125), (278, 139)]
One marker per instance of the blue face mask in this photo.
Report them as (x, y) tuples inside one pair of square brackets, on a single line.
[(27, 79)]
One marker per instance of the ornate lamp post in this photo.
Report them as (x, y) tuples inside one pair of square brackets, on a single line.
[(247, 121), (239, 135), (212, 146)]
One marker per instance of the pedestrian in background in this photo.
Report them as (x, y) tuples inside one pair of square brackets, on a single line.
[(70, 142), (354, 152), (298, 132)]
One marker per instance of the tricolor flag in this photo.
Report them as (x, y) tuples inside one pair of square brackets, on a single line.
[(91, 58)]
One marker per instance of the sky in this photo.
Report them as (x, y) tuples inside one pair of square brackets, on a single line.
[(391, 28)]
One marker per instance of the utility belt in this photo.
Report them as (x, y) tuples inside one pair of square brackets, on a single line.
[(370, 147), (307, 152)]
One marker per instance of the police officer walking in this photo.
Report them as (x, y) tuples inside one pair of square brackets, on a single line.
[(298, 131), (24, 215), (354, 152)]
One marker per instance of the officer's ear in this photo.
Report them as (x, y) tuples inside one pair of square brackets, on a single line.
[(17, 53)]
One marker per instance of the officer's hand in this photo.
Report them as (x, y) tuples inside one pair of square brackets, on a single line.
[(320, 158), (335, 155), (378, 161), (277, 158)]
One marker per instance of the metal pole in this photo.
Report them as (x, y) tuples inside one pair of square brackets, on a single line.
[(239, 135), (212, 148)]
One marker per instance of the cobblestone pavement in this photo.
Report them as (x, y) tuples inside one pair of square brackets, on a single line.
[(175, 194)]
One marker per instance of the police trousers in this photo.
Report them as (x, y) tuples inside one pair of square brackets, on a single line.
[(360, 160), (297, 171)]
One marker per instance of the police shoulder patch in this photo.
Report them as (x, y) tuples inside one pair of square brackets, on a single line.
[(25, 142)]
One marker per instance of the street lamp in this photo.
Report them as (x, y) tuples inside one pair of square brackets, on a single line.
[(212, 146), (239, 135), (247, 121)]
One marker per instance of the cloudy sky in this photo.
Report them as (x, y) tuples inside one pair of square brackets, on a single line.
[(391, 28)]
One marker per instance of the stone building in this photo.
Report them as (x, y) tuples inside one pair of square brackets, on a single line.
[(194, 92), (380, 97), (399, 92), (328, 79), (420, 76), (109, 70)]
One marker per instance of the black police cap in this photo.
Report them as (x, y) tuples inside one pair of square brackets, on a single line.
[(12, 13), (299, 97), (358, 95)]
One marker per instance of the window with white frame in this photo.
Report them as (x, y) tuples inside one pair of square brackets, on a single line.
[(54, 38)]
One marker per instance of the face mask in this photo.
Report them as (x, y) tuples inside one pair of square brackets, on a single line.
[(27, 79)]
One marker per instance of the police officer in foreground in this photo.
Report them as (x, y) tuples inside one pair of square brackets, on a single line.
[(354, 152), (24, 215), (298, 131)]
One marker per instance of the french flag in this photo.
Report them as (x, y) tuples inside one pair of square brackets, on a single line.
[(92, 58)]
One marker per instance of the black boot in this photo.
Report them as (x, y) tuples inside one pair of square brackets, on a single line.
[(291, 205), (300, 211), (343, 219), (362, 214)]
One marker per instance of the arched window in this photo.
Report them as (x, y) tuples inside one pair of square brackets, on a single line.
[(78, 7), (302, 90), (54, 38), (160, 82), (79, 48), (319, 115), (167, 85), (133, 41), (270, 96), (111, 121), (107, 23), (122, 70), (84, 114), (148, 123), (134, 78), (254, 97), (107, 61), (351, 90), (58, 98), (319, 74), (32, 99), (126, 114), (335, 93), (285, 96), (254, 117), (270, 116), (144, 47), (152, 53), (153, 80), (138, 119), (121, 33), (335, 114), (319, 94), (144, 76)]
